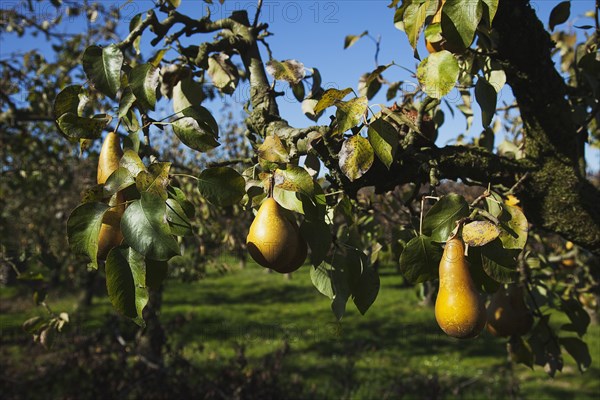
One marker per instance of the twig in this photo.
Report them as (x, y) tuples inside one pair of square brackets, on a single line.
[(258, 8)]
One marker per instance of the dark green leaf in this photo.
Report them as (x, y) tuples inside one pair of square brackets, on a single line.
[(156, 273), (102, 66), (145, 228), (420, 259), (366, 290), (321, 279), (578, 349), (368, 88), (485, 94), (298, 91), (76, 127), (197, 129), (126, 282), (384, 139), (514, 227), (499, 263), (178, 220), (118, 180), (83, 228), (460, 20), (580, 319), (559, 14), (67, 101), (155, 180), (144, 80), (441, 219), (221, 186), (318, 236)]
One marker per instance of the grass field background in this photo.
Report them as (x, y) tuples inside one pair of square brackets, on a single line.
[(395, 350)]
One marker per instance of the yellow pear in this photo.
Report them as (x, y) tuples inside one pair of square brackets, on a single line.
[(459, 308), (507, 313), (110, 232), (274, 241), (110, 155)]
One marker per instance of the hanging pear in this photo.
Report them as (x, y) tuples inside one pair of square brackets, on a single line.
[(508, 314), (110, 232), (274, 241), (459, 308)]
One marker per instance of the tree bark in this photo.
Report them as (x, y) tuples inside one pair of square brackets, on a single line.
[(556, 195)]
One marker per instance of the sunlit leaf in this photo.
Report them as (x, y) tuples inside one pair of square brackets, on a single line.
[(144, 80), (356, 157), (351, 39), (384, 139), (223, 73), (479, 233), (103, 68), (441, 219), (438, 74), (330, 97), (291, 71)]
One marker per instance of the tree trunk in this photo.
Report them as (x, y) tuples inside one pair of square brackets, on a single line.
[(151, 339)]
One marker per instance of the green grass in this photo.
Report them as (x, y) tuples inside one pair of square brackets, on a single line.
[(395, 349)]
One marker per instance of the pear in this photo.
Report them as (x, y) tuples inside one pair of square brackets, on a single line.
[(110, 155), (507, 313), (110, 232), (274, 241), (459, 308)]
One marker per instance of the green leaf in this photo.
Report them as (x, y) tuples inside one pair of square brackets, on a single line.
[(341, 292), (330, 97), (145, 228), (414, 18), (134, 23), (102, 66), (221, 186), (368, 88), (485, 94), (155, 180), (178, 220), (187, 93), (489, 10), (499, 263), (366, 290), (272, 150), (578, 349), (460, 19), (321, 279), (83, 228), (288, 200), (520, 351), (351, 39), (480, 278), (132, 163), (420, 259), (184, 203), (67, 101), (559, 14), (175, 3), (75, 127), (126, 282), (144, 80), (223, 73), (514, 227), (579, 318), (295, 179), (384, 139), (349, 113), (291, 71), (441, 219), (438, 74), (318, 236), (120, 179), (126, 101), (298, 91), (494, 204), (197, 129), (356, 157), (479, 233)]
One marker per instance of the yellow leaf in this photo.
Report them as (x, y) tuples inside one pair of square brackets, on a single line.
[(479, 233)]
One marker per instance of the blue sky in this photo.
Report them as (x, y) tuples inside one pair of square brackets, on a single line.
[(313, 32)]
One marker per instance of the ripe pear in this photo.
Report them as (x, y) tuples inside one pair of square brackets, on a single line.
[(110, 155), (459, 308), (110, 232), (274, 241), (507, 313)]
